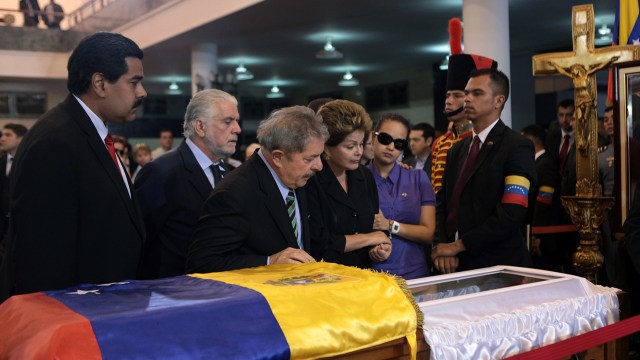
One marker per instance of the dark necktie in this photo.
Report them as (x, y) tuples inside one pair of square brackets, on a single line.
[(454, 204), (218, 173), (291, 209), (108, 141), (564, 151)]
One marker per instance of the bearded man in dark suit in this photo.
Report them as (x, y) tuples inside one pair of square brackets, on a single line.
[(74, 217)]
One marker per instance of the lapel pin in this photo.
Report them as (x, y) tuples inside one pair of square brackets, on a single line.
[(489, 143)]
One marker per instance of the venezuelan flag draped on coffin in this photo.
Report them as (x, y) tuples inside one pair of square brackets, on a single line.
[(278, 311)]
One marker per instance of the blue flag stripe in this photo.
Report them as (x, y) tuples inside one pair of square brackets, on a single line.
[(180, 317)]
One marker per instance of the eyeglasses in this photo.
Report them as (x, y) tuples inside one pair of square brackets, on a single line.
[(386, 139)]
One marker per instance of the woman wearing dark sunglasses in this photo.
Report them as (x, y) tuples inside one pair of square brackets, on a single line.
[(342, 196), (407, 201)]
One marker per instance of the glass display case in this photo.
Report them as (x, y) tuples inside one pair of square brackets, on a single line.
[(505, 310)]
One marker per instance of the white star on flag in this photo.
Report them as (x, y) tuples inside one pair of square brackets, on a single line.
[(636, 41), (84, 292), (114, 283)]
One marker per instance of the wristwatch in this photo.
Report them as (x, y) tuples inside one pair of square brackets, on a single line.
[(394, 227)]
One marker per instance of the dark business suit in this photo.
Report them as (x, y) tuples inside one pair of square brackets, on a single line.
[(4, 204), (489, 229), (4, 196), (542, 214), (172, 190), (411, 161), (552, 144), (244, 221), (335, 214), (72, 220)]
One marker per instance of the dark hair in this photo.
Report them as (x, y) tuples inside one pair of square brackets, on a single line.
[(19, 130), (427, 130), (392, 117), (102, 52), (342, 117), (315, 104), (608, 108), (499, 81), (536, 132), (566, 103)]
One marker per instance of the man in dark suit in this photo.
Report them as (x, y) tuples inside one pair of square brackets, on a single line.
[(31, 12), (74, 218), (420, 140), (173, 187), (545, 207), (484, 197), (258, 214), (12, 135), (561, 138)]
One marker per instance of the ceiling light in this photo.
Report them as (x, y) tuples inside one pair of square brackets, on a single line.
[(242, 73), (444, 65), (329, 52), (174, 86), (604, 30), (275, 93), (348, 80)]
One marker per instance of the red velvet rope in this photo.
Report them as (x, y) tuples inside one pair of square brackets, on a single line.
[(582, 342), (540, 230)]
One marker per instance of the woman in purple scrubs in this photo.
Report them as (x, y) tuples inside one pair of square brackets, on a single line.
[(407, 201)]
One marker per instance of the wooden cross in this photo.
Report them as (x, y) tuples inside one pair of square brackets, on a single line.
[(581, 65)]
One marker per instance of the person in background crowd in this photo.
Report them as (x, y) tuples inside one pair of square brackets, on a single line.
[(166, 143), (343, 198), (12, 136), (141, 156), (407, 201), (367, 151), (31, 11), (52, 15), (559, 141), (545, 207), (420, 141)]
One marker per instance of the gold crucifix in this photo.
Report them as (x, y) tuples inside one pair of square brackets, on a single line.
[(581, 65), (588, 208)]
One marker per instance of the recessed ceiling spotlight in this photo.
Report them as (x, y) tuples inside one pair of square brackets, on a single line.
[(242, 73), (348, 80), (329, 52)]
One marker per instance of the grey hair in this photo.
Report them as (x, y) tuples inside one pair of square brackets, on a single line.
[(290, 129), (204, 105)]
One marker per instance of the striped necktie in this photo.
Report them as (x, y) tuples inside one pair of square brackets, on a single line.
[(291, 209)]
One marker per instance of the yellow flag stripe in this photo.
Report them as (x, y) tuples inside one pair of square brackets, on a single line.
[(517, 180), (326, 309)]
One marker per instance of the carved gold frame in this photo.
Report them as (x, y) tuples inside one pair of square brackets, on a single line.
[(623, 111)]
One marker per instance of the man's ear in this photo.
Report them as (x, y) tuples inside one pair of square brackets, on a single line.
[(500, 100), (98, 84), (199, 127), (277, 156)]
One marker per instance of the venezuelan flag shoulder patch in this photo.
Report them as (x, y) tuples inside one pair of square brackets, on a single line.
[(545, 195), (516, 190)]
